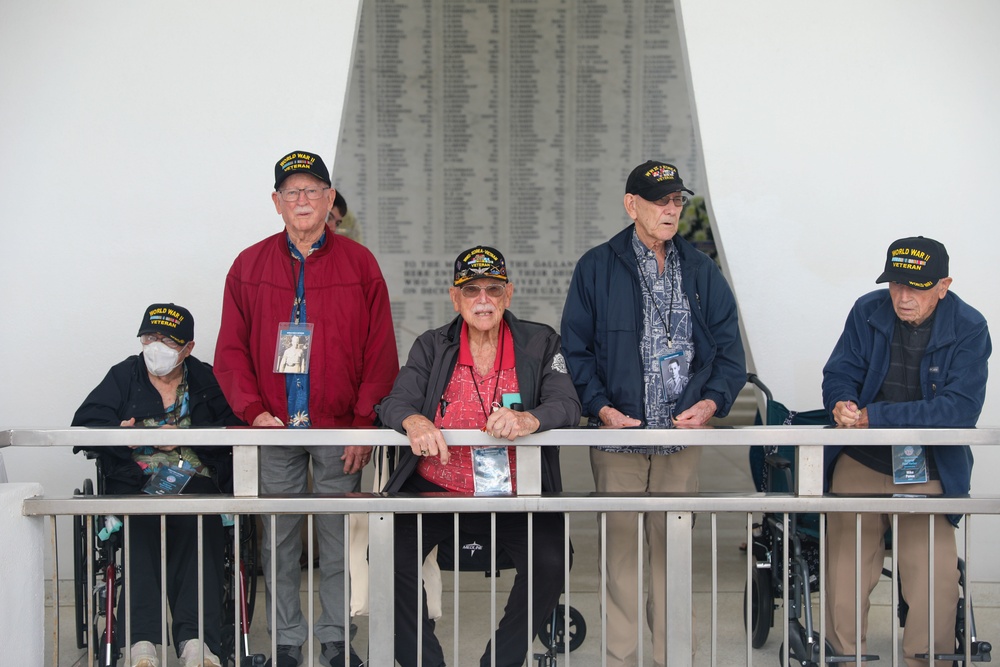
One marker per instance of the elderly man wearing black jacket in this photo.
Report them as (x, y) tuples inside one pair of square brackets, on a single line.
[(165, 387), (485, 369)]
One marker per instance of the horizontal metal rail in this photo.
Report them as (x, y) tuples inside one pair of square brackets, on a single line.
[(564, 502)]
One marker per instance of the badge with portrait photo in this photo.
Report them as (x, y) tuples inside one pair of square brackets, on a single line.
[(674, 373), (291, 352)]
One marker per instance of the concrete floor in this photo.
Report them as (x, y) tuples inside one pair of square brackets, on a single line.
[(723, 469)]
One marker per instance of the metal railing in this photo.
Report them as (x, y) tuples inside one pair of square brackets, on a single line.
[(381, 509)]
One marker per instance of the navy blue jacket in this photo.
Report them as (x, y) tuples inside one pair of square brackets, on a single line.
[(602, 329), (952, 377)]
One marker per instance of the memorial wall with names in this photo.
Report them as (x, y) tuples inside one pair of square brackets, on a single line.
[(509, 123)]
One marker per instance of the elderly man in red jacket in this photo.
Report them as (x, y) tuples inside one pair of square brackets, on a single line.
[(327, 291)]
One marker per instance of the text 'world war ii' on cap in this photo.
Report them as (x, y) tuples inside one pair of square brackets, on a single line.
[(479, 262), (170, 320), (300, 162), (653, 180), (916, 261)]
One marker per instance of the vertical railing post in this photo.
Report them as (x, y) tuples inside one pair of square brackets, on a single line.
[(246, 463), (679, 619), (381, 589)]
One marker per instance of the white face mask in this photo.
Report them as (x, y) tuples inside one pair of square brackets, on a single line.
[(160, 359)]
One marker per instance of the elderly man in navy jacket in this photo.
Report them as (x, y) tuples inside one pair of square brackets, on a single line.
[(914, 355), (640, 307)]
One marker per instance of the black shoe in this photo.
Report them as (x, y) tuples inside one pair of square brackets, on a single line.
[(333, 655), (287, 656)]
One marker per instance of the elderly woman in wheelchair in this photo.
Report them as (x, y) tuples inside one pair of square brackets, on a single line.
[(166, 387)]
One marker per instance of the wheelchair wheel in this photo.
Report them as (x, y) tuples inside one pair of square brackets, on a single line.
[(577, 628), (97, 589), (762, 606), (231, 591), (80, 583)]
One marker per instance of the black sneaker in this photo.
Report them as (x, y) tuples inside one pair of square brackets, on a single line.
[(333, 655), (287, 656)]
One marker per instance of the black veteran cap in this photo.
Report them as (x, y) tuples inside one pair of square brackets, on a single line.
[(300, 162), (479, 262), (654, 180), (170, 320), (916, 261)]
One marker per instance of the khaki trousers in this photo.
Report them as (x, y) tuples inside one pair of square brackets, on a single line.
[(910, 544), (638, 473)]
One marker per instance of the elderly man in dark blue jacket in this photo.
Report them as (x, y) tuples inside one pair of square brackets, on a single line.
[(914, 355), (631, 369)]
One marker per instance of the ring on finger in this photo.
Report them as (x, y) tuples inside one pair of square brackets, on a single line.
[(423, 452)]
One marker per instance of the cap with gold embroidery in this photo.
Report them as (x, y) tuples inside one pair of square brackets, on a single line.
[(654, 180), (479, 262), (916, 261), (300, 162)]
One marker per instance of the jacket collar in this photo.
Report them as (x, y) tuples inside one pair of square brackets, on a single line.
[(883, 319)]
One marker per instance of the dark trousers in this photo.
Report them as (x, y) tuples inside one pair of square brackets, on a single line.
[(143, 574), (512, 537)]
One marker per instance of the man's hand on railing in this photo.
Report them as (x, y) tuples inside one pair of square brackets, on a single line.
[(510, 424), (425, 438), (697, 415), (613, 418), (846, 413), (266, 419)]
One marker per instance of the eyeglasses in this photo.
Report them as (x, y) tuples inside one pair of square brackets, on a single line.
[(676, 200), (157, 338), (293, 194), (494, 290)]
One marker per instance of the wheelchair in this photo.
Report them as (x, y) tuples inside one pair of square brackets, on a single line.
[(564, 631), (98, 574), (773, 473)]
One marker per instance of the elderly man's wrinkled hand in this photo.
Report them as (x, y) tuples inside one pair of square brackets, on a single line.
[(425, 438), (355, 458), (613, 418), (510, 424), (847, 414), (266, 419), (697, 415)]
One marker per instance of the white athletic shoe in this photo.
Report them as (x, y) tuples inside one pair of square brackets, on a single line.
[(144, 655), (191, 655)]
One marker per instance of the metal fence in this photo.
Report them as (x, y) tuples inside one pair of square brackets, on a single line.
[(380, 510)]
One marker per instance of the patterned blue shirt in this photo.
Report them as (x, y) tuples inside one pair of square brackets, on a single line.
[(663, 299)]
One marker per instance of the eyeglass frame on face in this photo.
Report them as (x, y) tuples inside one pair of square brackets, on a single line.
[(148, 338), (292, 194), (675, 199), (493, 290)]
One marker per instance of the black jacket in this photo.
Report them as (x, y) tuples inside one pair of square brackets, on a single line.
[(126, 392), (545, 387)]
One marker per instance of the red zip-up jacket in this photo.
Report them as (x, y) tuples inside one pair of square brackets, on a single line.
[(353, 359)]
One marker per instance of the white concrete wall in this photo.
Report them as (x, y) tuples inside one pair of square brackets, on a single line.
[(22, 594), (829, 130), (138, 143)]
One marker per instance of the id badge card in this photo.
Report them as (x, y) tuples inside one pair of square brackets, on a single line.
[(491, 471), (167, 481), (674, 373), (909, 464), (291, 352)]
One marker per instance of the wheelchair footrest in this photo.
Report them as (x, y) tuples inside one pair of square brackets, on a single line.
[(833, 659), (978, 652)]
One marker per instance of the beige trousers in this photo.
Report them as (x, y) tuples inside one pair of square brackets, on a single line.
[(910, 544), (638, 473)]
